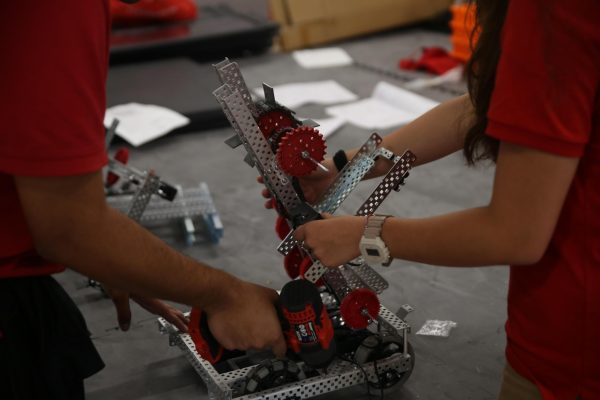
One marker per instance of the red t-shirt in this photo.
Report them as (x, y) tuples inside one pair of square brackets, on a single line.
[(52, 103), (547, 97)]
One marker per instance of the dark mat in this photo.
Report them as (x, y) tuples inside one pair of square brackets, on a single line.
[(179, 84), (218, 31)]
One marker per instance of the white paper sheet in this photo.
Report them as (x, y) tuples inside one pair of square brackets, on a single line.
[(328, 126), (142, 123), (294, 95), (387, 107), (322, 58)]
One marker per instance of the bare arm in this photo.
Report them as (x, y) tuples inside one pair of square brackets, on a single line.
[(72, 225), (435, 134), (530, 187), (514, 228)]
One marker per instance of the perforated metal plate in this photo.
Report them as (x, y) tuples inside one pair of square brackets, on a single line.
[(369, 277), (229, 73), (315, 271), (142, 197), (349, 176), (392, 179), (190, 202), (256, 145), (336, 281), (342, 186), (392, 321), (339, 375)]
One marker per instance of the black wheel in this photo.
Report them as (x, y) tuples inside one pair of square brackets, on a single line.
[(375, 348), (272, 373)]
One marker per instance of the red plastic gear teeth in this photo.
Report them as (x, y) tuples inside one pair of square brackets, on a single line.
[(292, 263), (275, 120), (300, 149), (358, 307), (281, 227)]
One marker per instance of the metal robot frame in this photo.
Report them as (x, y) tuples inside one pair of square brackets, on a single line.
[(145, 198), (242, 112)]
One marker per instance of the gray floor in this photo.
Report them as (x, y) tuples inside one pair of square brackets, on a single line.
[(466, 365)]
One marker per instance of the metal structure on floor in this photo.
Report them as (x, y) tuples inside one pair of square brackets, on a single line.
[(338, 333), (145, 198)]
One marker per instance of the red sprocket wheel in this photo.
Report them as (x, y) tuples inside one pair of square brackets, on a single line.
[(122, 156), (281, 227), (292, 263), (300, 149), (274, 120), (358, 307)]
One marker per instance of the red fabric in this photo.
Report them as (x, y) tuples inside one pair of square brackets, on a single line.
[(547, 97), (52, 103), (153, 11), (436, 60)]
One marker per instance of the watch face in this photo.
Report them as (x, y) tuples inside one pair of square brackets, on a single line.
[(373, 252)]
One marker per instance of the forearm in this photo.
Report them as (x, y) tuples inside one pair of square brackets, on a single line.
[(435, 134), (115, 250), (71, 224), (469, 238)]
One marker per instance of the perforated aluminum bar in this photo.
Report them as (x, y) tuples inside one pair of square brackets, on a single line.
[(342, 186), (229, 73), (137, 177), (349, 176), (392, 180), (337, 282), (339, 375), (257, 146), (370, 278), (142, 197)]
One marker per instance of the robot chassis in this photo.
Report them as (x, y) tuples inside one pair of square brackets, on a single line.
[(145, 198), (372, 342)]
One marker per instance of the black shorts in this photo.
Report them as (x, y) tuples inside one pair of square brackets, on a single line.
[(45, 347)]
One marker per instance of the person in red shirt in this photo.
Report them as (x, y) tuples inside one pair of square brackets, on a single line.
[(53, 213), (534, 108)]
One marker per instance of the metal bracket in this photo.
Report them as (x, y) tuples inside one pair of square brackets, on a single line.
[(393, 178), (142, 197), (342, 186)]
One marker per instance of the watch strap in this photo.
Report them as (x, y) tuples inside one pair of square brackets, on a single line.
[(373, 228), (374, 225)]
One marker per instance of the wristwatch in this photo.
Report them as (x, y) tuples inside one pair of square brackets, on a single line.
[(372, 247)]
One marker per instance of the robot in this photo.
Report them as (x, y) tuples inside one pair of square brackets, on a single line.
[(338, 333), (145, 198)]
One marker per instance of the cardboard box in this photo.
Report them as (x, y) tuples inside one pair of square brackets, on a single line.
[(306, 23)]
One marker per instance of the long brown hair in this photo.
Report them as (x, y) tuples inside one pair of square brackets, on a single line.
[(481, 76)]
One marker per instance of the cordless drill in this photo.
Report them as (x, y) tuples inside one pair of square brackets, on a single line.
[(306, 324), (304, 321)]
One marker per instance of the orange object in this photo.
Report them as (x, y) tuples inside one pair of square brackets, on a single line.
[(206, 344), (152, 11), (462, 25)]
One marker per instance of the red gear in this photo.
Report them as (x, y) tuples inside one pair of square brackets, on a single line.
[(274, 120), (122, 156), (153, 11), (353, 305), (293, 144), (281, 227), (292, 263)]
